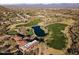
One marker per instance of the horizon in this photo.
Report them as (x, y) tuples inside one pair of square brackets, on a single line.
[(37, 3), (9, 2)]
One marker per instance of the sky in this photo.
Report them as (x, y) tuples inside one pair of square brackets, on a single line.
[(37, 1)]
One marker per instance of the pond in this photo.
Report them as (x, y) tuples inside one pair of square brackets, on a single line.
[(38, 31)]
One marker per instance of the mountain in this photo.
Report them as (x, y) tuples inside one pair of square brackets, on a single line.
[(54, 5), (4, 9)]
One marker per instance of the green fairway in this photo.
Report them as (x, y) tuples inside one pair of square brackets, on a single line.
[(31, 23), (12, 32), (57, 39)]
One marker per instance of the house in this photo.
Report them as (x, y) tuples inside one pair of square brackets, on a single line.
[(20, 35), (30, 44), (29, 38), (19, 41)]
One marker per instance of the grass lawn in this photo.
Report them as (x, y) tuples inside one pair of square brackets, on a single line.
[(57, 40), (30, 32)]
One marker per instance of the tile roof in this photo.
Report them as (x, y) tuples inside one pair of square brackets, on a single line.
[(20, 41)]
